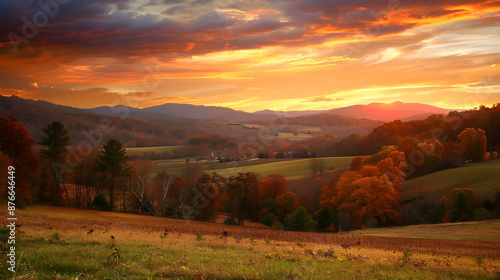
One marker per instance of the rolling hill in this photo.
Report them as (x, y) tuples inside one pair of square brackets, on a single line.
[(83, 125), (483, 177)]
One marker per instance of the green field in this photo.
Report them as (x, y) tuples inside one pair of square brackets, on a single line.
[(289, 168), (483, 177), (158, 149)]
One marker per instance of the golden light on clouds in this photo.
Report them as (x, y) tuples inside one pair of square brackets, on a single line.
[(254, 55)]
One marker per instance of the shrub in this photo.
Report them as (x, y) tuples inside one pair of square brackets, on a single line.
[(101, 203), (230, 221), (481, 214), (298, 220), (278, 226)]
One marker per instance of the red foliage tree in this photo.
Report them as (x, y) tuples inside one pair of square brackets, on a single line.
[(273, 186), (17, 145)]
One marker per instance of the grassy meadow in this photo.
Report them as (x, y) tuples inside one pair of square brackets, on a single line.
[(483, 177), (289, 167), (157, 149), (63, 243)]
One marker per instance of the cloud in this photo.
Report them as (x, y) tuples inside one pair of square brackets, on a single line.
[(320, 99), (109, 45)]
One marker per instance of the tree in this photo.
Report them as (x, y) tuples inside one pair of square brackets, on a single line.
[(286, 204), (325, 218), (138, 184), (85, 177), (113, 161), (273, 186), (299, 221), (243, 191), (473, 143), (209, 196), (17, 147), (161, 187), (367, 196), (55, 146), (317, 165), (462, 203)]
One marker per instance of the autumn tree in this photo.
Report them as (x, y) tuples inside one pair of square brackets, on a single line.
[(16, 145), (55, 145), (160, 189), (367, 196), (138, 185), (286, 204), (243, 191), (85, 177), (174, 199), (273, 186), (113, 161), (209, 196), (473, 143)]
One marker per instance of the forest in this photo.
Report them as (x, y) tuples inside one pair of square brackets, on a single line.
[(58, 172)]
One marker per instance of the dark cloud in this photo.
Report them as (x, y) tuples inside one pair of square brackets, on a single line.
[(175, 10), (202, 2), (109, 29)]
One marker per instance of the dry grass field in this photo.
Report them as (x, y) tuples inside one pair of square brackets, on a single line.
[(65, 243)]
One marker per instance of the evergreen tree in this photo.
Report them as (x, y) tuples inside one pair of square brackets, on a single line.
[(113, 161), (459, 208), (55, 144), (325, 218)]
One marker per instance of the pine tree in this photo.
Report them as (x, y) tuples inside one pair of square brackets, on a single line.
[(55, 143), (113, 161)]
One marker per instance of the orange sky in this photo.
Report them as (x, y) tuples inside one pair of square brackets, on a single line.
[(252, 55)]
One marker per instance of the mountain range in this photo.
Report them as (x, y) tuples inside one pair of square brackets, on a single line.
[(175, 124), (374, 111)]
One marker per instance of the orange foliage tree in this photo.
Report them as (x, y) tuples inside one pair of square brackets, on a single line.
[(210, 195), (473, 143), (17, 145), (273, 186), (286, 204), (370, 195)]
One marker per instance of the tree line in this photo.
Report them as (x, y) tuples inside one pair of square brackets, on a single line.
[(368, 195)]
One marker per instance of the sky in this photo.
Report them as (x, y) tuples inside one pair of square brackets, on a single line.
[(251, 55)]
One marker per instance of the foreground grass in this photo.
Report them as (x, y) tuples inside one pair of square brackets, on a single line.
[(148, 256), (483, 177), (55, 243)]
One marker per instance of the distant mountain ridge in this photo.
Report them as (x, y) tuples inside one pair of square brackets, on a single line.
[(179, 111), (389, 112), (374, 111)]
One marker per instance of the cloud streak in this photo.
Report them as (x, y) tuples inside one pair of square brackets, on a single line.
[(296, 50)]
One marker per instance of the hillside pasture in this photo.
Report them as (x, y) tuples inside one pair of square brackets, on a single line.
[(158, 149), (288, 168), (482, 177)]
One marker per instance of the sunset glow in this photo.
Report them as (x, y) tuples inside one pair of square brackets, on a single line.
[(252, 55)]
